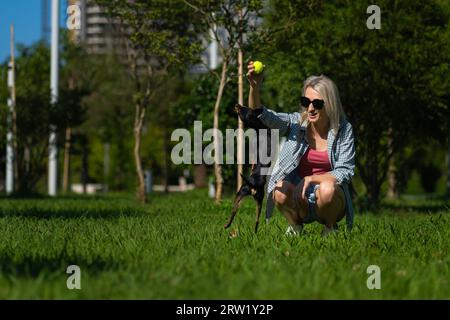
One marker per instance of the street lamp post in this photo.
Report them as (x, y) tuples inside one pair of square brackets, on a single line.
[(54, 69)]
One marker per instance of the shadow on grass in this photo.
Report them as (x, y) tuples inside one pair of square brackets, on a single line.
[(407, 203), (49, 213), (44, 208), (66, 196), (427, 203), (34, 266), (419, 208)]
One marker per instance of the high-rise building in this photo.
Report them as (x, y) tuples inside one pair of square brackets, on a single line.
[(103, 35), (45, 20), (99, 33)]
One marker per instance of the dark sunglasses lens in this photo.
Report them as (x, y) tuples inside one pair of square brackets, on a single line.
[(318, 104), (305, 102)]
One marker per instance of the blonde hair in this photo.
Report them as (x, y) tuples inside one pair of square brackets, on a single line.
[(330, 94)]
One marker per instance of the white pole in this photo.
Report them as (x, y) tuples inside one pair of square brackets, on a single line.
[(9, 152), (53, 152), (10, 120), (213, 51)]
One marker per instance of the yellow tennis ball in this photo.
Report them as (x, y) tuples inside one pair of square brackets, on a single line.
[(259, 67)]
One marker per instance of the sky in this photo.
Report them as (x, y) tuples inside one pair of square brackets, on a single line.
[(26, 15)]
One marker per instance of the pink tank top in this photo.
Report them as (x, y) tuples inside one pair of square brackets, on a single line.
[(314, 162)]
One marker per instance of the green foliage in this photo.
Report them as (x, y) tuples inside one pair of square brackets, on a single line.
[(197, 104), (110, 118), (393, 81), (35, 113), (160, 38), (228, 23), (159, 30), (176, 248), (429, 175), (229, 20)]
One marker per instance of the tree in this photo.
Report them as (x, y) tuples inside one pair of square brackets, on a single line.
[(446, 104), (35, 113), (158, 36), (110, 119), (227, 21), (75, 85), (199, 93)]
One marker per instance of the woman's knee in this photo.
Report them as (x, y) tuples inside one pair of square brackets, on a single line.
[(279, 197), (280, 194), (327, 191)]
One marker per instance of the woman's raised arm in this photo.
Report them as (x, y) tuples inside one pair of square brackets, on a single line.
[(272, 119), (255, 80)]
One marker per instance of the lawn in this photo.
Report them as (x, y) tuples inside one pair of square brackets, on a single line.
[(176, 248)]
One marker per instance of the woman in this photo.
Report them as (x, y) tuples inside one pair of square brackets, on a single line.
[(309, 181)]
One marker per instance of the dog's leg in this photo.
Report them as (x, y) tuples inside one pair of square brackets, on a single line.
[(258, 214), (237, 200)]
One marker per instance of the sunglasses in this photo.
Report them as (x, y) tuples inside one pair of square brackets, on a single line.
[(317, 103)]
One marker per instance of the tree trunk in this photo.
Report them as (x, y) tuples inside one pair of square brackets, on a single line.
[(392, 192), (372, 185), (139, 119), (106, 157), (27, 158), (373, 194), (68, 140), (369, 171), (66, 169), (240, 137), (84, 170), (448, 171), (200, 176), (119, 171), (23, 169), (166, 160), (217, 152)]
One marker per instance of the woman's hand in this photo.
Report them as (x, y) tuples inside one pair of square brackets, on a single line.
[(306, 182), (254, 79)]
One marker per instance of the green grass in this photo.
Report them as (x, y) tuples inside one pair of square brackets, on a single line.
[(176, 248)]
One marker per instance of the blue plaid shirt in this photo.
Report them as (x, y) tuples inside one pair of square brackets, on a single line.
[(341, 152)]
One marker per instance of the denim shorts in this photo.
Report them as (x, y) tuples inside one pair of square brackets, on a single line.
[(310, 195)]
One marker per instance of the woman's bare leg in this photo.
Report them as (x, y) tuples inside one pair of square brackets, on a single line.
[(330, 207)]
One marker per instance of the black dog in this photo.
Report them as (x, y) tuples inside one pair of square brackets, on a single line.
[(254, 185)]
